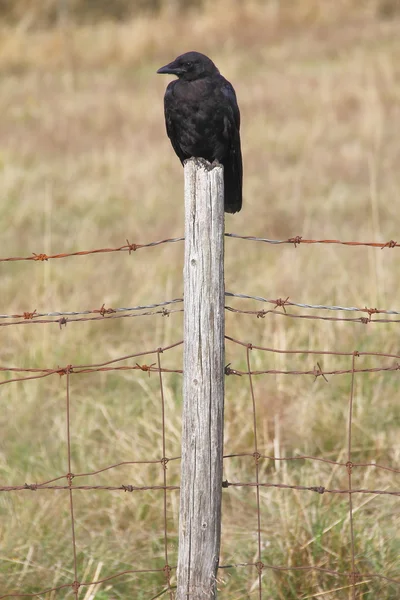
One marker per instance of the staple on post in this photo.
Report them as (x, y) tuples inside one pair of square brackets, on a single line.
[(203, 387)]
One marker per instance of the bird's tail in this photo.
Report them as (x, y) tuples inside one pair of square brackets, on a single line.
[(233, 178)]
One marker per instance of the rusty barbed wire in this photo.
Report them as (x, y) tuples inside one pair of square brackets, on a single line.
[(63, 321), (319, 489), (313, 568), (298, 239), (128, 247), (133, 247), (124, 487), (165, 460), (312, 458), (260, 314), (105, 366), (282, 303), (304, 351), (29, 317), (102, 311), (316, 371), (65, 370)]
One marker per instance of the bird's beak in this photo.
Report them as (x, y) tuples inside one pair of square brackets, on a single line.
[(170, 69)]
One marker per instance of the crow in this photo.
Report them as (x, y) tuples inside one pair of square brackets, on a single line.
[(203, 120)]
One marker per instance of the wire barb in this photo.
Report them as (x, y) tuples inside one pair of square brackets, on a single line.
[(31, 486), (104, 311), (128, 488), (40, 257), (391, 244), (318, 372), (131, 247), (147, 368), (295, 240), (229, 371), (65, 370), (28, 315), (282, 303)]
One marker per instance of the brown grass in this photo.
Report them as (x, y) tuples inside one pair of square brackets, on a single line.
[(85, 163)]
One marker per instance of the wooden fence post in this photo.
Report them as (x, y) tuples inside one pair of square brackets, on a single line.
[(203, 384)]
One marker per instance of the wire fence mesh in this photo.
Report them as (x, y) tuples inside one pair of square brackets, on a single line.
[(244, 371)]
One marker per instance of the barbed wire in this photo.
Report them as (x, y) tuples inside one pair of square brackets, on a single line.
[(298, 239), (319, 489), (349, 574), (63, 321), (258, 456), (316, 371), (133, 247), (33, 317), (280, 302), (104, 367), (128, 247), (62, 318), (305, 351), (102, 311), (261, 314)]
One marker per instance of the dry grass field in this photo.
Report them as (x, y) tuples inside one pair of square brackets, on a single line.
[(85, 163)]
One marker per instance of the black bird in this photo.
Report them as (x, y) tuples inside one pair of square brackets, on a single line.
[(203, 119)]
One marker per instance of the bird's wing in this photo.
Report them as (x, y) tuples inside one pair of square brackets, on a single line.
[(169, 103), (230, 95), (232, 123), (233, 167)]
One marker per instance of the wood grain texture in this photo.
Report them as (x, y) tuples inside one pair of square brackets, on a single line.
[(203, 387)]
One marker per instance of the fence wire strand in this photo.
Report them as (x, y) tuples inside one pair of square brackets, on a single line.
[(349, 468), (298, 239), (133, 247)]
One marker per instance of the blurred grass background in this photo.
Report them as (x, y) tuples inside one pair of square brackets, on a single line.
[(85, 163)]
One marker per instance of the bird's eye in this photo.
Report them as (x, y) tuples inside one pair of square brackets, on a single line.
[(188, 64)]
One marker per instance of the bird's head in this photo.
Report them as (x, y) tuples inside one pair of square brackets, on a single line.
[(190, 66)]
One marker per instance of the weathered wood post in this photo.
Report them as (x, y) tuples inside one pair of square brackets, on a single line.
[(203, 384)]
